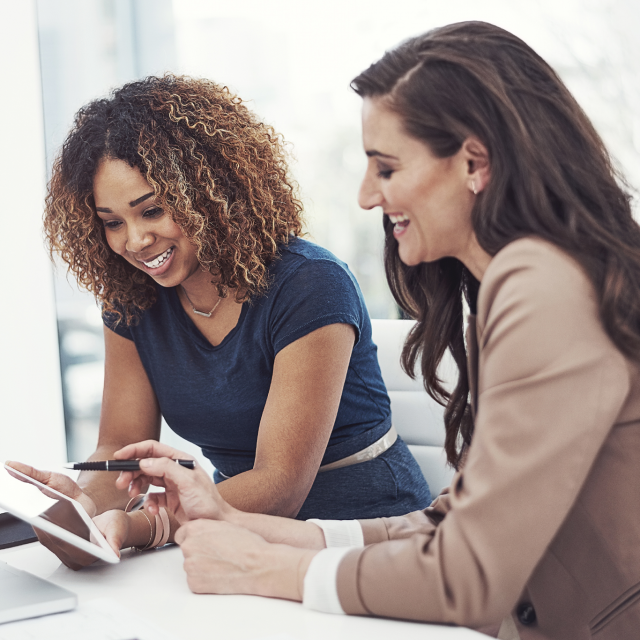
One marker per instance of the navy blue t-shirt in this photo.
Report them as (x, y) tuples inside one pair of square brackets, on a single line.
[(214, 396)]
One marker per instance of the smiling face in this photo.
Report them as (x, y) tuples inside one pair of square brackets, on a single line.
[(138, 230), (429, 199)]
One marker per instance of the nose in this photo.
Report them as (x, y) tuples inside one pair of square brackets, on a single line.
[(139, 237), (369, 195)]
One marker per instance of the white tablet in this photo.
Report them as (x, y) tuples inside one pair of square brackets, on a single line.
[(54, 513)]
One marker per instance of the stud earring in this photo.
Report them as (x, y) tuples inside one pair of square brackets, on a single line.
[(473, 188)]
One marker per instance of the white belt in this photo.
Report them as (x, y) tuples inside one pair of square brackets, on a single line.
[(368, 453)]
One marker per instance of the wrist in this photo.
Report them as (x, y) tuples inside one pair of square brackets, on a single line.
[(89, 504), (284, 577), (141, 529), (235, 516), (303, 567)]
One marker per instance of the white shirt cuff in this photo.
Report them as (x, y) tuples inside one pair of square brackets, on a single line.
[(340, 533), (321, 584)]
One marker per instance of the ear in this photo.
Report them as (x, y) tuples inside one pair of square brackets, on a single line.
[(478, 165)]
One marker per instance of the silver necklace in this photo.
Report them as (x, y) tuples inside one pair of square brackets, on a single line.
[(201, 313)]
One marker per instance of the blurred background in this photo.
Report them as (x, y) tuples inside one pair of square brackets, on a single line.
[(292, 60)]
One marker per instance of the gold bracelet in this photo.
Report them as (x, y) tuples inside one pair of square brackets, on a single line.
[(132, 505), (166, 527), (148, 545)]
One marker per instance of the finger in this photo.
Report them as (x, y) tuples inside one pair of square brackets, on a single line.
[(55, 481), (144, 482), (181, 534), (126, 478), (32, 472), (69, 555), (78, 560), (154, 502), (141, 484), (169, 500), (150, 449), (197, 582), (167, 469), (180, 483)]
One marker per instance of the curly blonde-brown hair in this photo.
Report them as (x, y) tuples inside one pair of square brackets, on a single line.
[(218, 171)]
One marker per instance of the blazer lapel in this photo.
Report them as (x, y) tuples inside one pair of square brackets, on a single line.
[(472, 363)]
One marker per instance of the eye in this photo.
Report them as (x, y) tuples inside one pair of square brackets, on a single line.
[(112, 224), (384, 170), (154, 212)]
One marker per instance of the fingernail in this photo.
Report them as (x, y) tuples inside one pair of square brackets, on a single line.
[(146, 463)]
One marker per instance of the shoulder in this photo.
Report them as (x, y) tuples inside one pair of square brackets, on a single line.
[(311, 288), (537, 302), (300, 251), (536, 273), (303, 259), (536, 257)]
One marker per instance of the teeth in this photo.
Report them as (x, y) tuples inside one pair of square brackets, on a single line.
[(154, 264), (395, 218)]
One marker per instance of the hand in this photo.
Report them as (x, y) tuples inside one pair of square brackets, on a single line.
[(71, 556), (115, 526), (189, 493), (57, 481), (224, 558)]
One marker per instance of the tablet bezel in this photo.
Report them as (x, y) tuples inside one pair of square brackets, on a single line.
[(100, 549)]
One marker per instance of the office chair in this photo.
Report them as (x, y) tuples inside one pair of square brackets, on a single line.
[(416, 416)]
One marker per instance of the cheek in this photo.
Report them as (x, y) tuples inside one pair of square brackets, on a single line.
[(395, 194), (115, 244), (170, 229)]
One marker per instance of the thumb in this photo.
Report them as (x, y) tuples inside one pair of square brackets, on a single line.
[(181, 534), (114, 543), (163, 468), (114, 539)]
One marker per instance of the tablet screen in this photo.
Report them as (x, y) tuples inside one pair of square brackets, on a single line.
[(53, 512)]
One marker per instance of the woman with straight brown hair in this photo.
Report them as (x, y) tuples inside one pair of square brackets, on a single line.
[(498, 196)]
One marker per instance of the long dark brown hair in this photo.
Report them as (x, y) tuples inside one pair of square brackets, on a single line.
[(219, 172), (551, 177)]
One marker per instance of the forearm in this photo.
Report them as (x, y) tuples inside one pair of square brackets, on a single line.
[(264, 491), (278, 530), (252, 499), (284, 575)]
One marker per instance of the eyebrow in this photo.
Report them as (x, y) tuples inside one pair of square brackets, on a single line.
[(373, 154), (133, 203)]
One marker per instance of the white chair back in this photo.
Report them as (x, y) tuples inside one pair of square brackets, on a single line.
[(416, 416)]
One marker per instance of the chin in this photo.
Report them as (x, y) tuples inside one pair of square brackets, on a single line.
[(410, 258)]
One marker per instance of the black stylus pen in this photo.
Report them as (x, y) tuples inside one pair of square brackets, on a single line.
[(119, 465)]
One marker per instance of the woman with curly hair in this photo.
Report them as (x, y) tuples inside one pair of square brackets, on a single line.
[(172, 203), (499, 196)]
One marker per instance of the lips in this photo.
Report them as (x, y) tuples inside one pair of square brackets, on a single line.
[(158, 261), (400, 223)]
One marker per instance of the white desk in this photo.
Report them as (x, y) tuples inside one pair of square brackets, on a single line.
[(153, 585)]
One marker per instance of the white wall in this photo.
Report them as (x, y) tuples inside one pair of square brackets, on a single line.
[(31, 417)]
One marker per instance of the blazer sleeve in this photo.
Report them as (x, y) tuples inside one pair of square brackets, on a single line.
[(550, 386), (398, 527)]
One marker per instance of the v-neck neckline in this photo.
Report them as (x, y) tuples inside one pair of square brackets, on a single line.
[(192, 330)]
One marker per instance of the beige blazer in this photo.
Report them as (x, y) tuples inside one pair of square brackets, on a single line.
[(543, 522)]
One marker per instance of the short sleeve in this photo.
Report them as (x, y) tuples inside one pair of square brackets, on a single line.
[(318, 293), (110, 321)]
